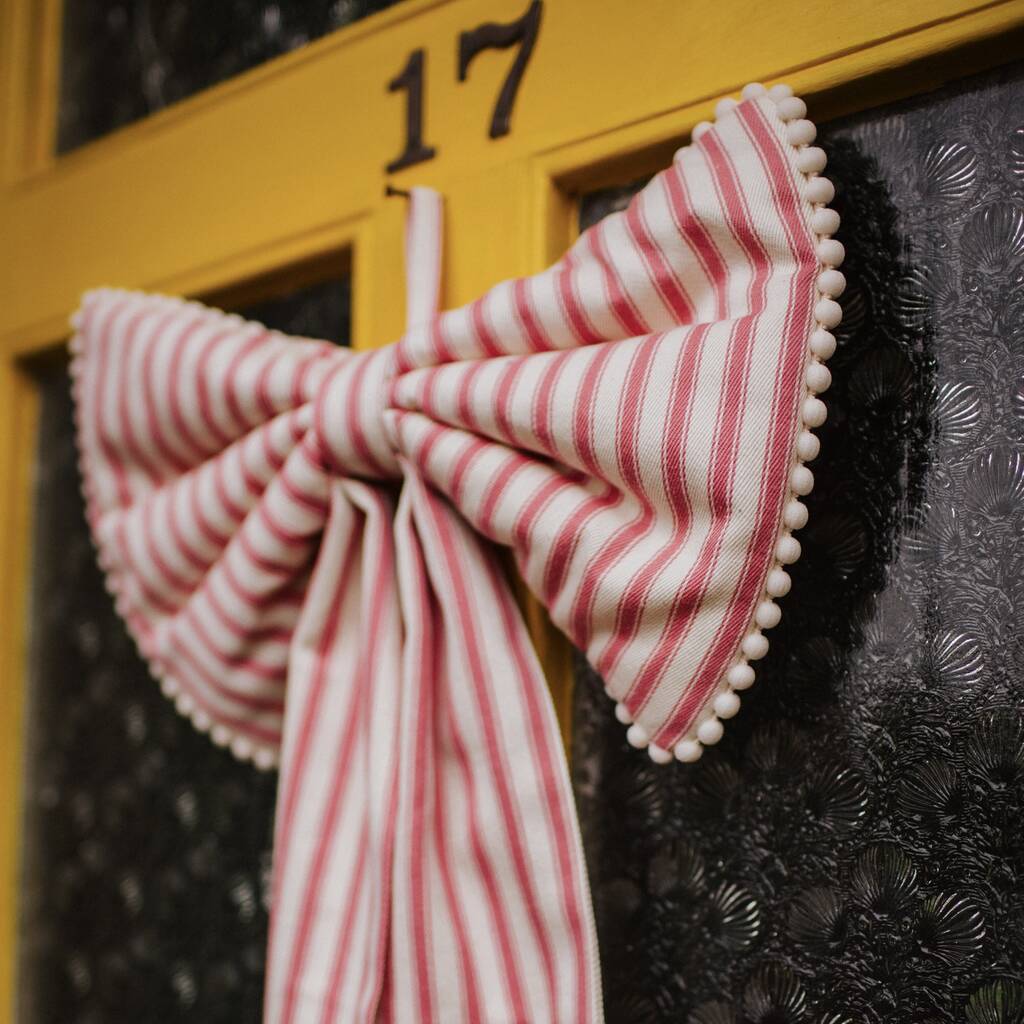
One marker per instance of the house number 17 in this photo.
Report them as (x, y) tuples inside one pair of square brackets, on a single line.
[(489, 36)]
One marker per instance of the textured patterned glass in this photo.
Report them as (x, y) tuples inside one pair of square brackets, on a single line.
[(852, 851), (147, 848), (125, 59)]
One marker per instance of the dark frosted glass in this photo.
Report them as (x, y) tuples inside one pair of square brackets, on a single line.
[(125, 59), (852, 850), (147, 848)]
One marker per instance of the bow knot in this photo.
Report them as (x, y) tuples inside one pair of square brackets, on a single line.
[(349, 423), (354, 430)]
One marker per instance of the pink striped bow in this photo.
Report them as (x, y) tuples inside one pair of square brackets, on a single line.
[(295, 535)]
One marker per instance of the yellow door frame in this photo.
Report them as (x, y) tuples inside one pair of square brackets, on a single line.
[(284, 166)]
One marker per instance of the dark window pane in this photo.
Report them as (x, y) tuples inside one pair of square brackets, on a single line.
[(147, 848), (121, 61), (321, 311), (852, 851), (595, 206)]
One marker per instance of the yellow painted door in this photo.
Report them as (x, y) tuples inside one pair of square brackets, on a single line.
[(279, 176)]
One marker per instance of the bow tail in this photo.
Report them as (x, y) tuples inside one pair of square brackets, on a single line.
[(428, 865), (491, 917), (336, 815)]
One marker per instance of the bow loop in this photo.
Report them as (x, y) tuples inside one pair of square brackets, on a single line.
[(627, 420)]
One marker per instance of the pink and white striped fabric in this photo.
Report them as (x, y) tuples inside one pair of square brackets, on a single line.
[(299, 538)]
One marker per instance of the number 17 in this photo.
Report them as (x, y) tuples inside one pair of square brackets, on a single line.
[(489, 36)]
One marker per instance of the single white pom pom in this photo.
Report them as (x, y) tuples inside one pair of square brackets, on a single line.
[(185, 704), (741, 676), (636, 736), (623, 715), (801, 133), (752, 90), (168, 686), (780, 91), (820, 190), (828, 313), (710, 732), (814, 412), (221, 735), (823, 344), (801, 479), (831, 282), (768, 615), (201, 720), (778, 583), (818, 377), (726, 704), (811, 160), (242, 747), (807, 446), (724, 107), (659, 755), (825, 221), (792, 108), (688, 751), (795, 515), (264, 758), (787, 550), (699, 129), (831, 252), (755, 646)]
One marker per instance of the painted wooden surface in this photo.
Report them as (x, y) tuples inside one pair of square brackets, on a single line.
[(194, 200)]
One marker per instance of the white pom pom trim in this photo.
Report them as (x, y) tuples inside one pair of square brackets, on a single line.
[(810, 161), (262, 756)]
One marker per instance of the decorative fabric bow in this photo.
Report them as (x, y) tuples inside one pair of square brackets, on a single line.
[(295, 535)]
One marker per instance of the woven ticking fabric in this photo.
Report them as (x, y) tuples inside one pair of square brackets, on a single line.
[(301, 540)]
